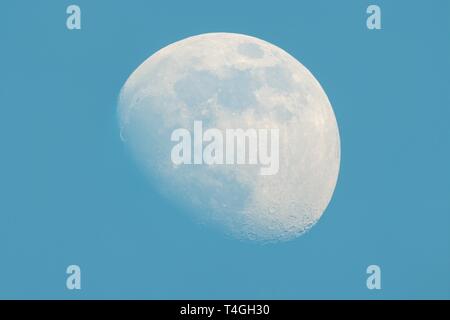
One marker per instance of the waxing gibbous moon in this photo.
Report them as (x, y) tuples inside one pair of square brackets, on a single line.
[(227, 81)]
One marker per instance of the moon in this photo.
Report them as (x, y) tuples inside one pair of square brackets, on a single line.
[(230, 80)]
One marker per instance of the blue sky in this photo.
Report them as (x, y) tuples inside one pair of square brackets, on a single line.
[(71, 194)]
